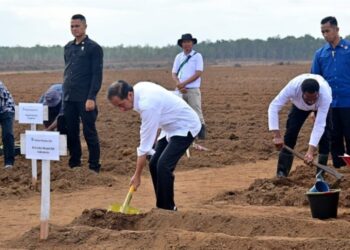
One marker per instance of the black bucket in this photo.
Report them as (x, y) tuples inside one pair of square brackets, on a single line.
[(324, 205)]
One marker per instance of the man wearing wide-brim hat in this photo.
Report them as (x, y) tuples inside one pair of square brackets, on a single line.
[(186, 72)]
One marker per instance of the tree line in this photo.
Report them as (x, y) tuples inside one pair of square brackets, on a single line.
[(289, 48)]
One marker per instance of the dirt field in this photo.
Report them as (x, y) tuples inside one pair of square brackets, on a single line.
[(227, 197)]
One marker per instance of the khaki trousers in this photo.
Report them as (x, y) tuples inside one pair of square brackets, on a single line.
[(194, 99)]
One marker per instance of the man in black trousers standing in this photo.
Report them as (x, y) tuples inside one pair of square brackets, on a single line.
[(82, 81)]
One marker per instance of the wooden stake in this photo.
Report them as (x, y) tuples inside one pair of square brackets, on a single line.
[(44, 230), (34, 164), (45, 200), (34, 184), (34, 174)]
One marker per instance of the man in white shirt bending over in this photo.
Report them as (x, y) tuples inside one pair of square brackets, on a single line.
[(186, 72), (179, 124), (308, 93)]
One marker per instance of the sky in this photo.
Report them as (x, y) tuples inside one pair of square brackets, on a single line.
[(161, 22)]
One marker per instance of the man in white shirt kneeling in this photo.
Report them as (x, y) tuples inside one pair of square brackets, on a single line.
[(308, 93), (179, 124)]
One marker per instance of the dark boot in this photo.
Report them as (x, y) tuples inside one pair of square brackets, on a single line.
[(95, 168), (322, 159), (284, 164), (201, 134)]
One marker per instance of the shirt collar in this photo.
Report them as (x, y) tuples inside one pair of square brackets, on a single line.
[(341, 44), (328, 46), (191, 53), (136, 100), (82, 42)]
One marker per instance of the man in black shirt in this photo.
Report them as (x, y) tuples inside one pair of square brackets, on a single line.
[(82, 80)]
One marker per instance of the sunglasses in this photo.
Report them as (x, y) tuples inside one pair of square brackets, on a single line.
[(75, 26)]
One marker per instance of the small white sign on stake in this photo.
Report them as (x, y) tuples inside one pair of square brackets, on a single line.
[(27, 112), (31, 113), (45, 146), (42, 145)]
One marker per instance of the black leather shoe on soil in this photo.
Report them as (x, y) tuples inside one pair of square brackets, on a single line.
[(95, 168), (280, 174), (74, 165)]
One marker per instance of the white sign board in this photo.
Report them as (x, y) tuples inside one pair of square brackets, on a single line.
[(31, 113), (42, 145)]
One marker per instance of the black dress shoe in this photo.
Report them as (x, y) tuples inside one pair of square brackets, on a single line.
[(280, 174), (95, 168), (74, 165)]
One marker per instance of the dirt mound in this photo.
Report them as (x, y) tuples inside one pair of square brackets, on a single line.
[(160, 229), (286, 191), (66, 180), (16, 182)]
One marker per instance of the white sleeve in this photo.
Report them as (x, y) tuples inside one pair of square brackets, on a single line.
[(148, 131), (199, 62), (176, 64), (276, 105), (320, 121)]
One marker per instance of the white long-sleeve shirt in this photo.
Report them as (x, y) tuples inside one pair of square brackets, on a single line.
[(292, 92), (159, 108)]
